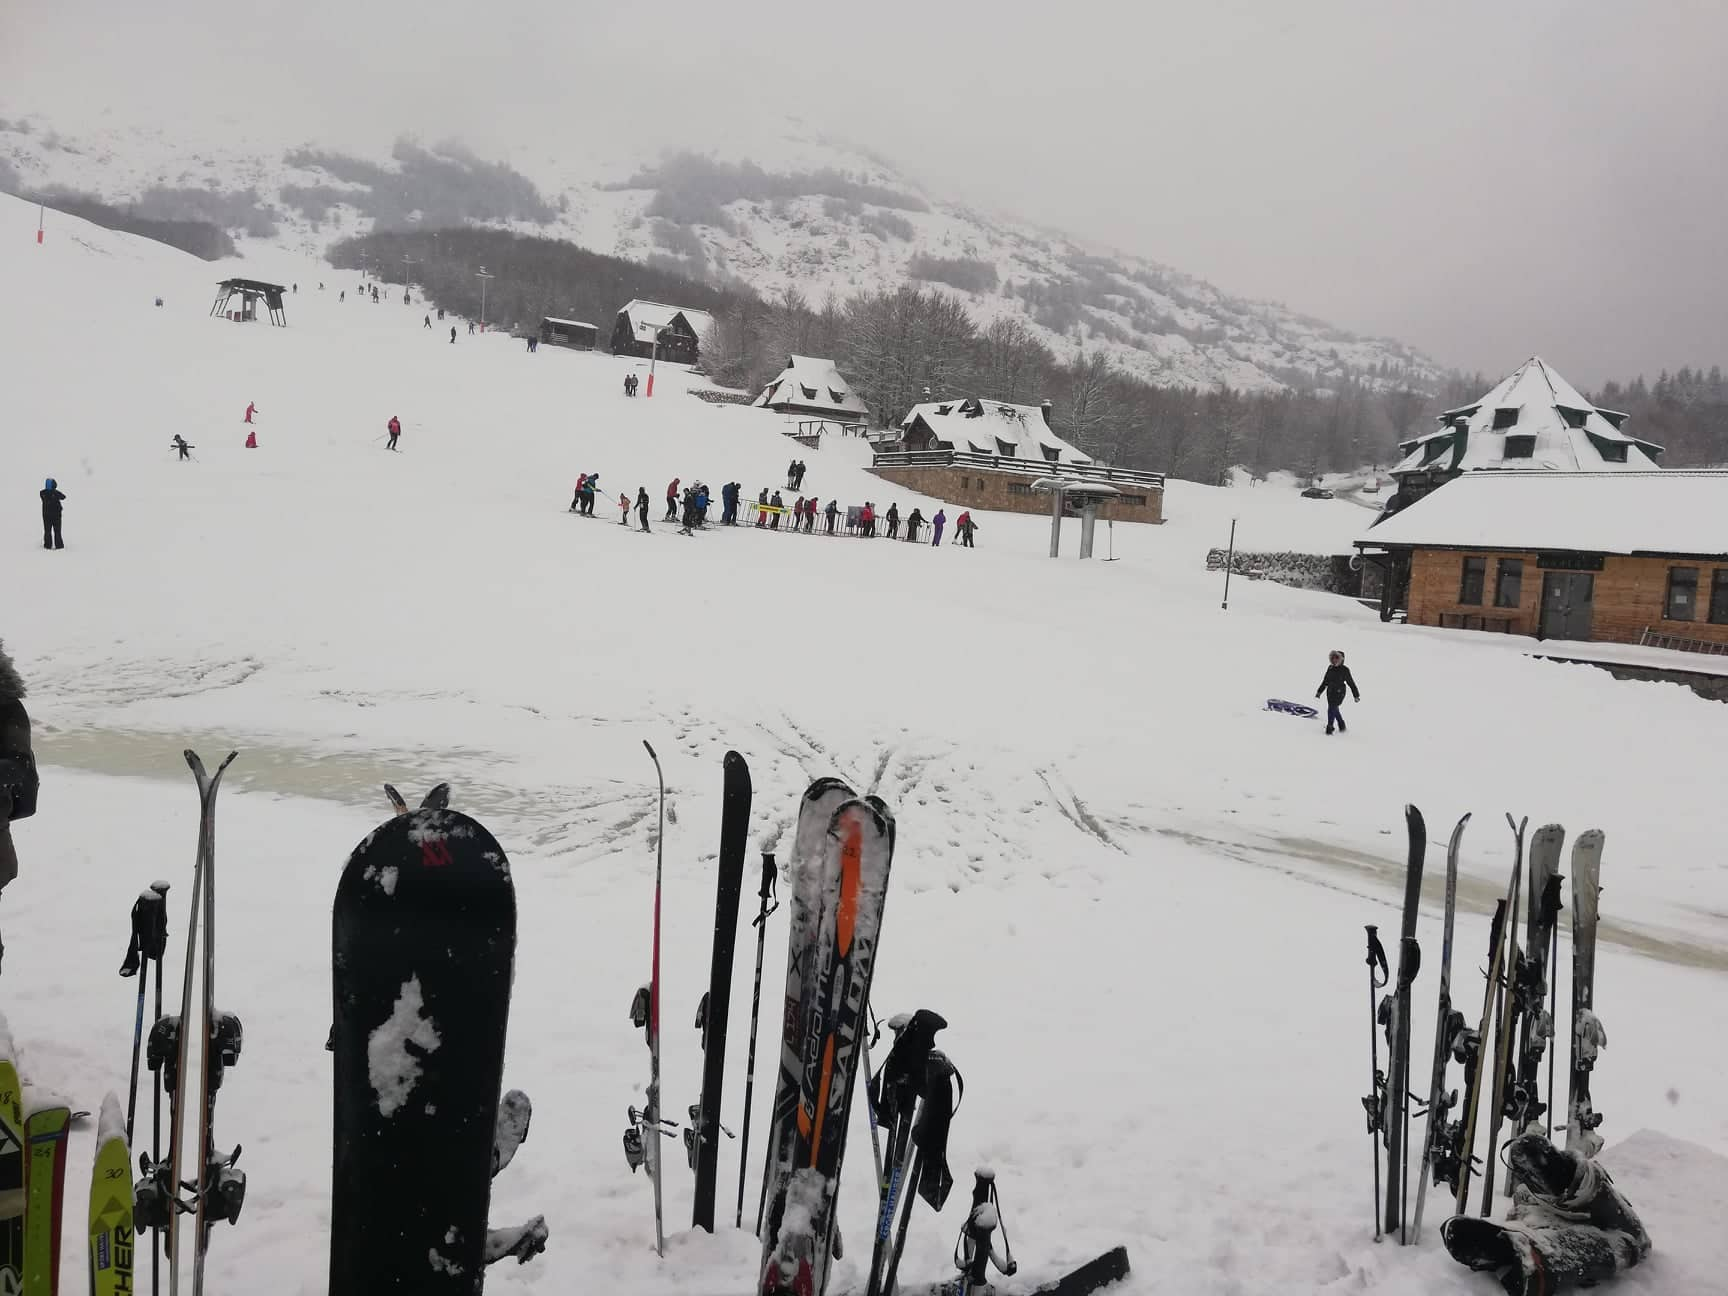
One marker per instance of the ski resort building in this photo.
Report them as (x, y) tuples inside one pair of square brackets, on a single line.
[(578, 335), (1533, 421), (813, 387), (678, 330), (1618, 557), (988, 454)]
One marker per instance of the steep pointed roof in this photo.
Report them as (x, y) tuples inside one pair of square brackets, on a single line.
[(647, 318), (808, 383), (995, 428), (1533, 420)]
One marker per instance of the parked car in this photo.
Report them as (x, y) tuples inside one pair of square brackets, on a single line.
[(1316, 492)]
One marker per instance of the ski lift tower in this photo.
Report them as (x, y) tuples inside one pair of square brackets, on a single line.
[(1073, 492)]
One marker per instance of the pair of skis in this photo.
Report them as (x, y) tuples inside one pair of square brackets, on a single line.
[(34, 1132), (843, 850), (1503, 1071), (217, 1188), (647, 1124)]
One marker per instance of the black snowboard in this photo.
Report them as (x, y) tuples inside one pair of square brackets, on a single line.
[(734, 839), (425, 938)]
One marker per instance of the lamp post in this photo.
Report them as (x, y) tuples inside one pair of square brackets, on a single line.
[(1229, 562), (407, 261), (654, 357), (483, 277)]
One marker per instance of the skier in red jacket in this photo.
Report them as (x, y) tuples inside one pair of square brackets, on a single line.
[(672, 501)]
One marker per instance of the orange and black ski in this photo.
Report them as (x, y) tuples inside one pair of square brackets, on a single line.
[(854, 883)]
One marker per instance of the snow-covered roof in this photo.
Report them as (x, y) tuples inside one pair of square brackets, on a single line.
[(568, 323), (813, 384), (1567, 433), (994, 428), (647, 318), (1675, 512)]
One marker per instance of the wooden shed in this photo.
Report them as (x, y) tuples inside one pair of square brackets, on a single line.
[(1616, 557), (578, 335)]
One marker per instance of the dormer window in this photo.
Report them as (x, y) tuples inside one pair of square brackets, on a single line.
[(1613, 451), (1574, 417), (1505, 418), (1004, 448), (838, 397), (809, 392), (1522, 446)]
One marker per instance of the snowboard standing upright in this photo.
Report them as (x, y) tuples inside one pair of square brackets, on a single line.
[(424, 942), (704, 1133), (855, 864)]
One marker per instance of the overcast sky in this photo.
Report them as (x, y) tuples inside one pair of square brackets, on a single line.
[(1482, 178)]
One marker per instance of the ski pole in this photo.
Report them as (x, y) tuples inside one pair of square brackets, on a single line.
[(870, 1037), (1378, 974), (149, 937), (768, 905)]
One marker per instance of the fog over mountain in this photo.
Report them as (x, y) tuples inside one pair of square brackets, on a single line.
[(1481, 181)]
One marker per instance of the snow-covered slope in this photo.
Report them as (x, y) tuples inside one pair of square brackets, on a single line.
[(792, 227), (1137, 896)]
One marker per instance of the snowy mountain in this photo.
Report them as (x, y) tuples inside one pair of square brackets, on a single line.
[(788, 210)]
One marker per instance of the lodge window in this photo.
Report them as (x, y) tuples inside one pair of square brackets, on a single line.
[(1613, 451), (1682, 601), (1019, 488), (1509, 583), (1719, 597), (1470, 585), (1505, 418), (1520, 447)]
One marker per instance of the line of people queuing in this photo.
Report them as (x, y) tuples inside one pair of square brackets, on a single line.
[(688, 506)]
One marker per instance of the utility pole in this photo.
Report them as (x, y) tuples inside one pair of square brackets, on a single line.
[(482, 276), (1229, 562), (407, 261)]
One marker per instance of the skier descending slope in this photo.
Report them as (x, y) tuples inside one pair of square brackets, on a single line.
[(855, 865), (821, 799)]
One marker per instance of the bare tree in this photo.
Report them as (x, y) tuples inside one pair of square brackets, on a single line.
[(1086, 413)]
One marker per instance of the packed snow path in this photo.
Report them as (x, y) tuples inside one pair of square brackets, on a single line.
[(1137, 896)]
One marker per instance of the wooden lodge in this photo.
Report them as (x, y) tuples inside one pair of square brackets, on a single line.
[(676, 330), (1617, 557), (578, 335), (988, 454)]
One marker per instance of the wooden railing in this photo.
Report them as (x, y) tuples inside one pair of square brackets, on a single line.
[(1019, 467)]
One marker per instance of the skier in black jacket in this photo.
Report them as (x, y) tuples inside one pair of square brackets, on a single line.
[(1336, 680), (52, 500)]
